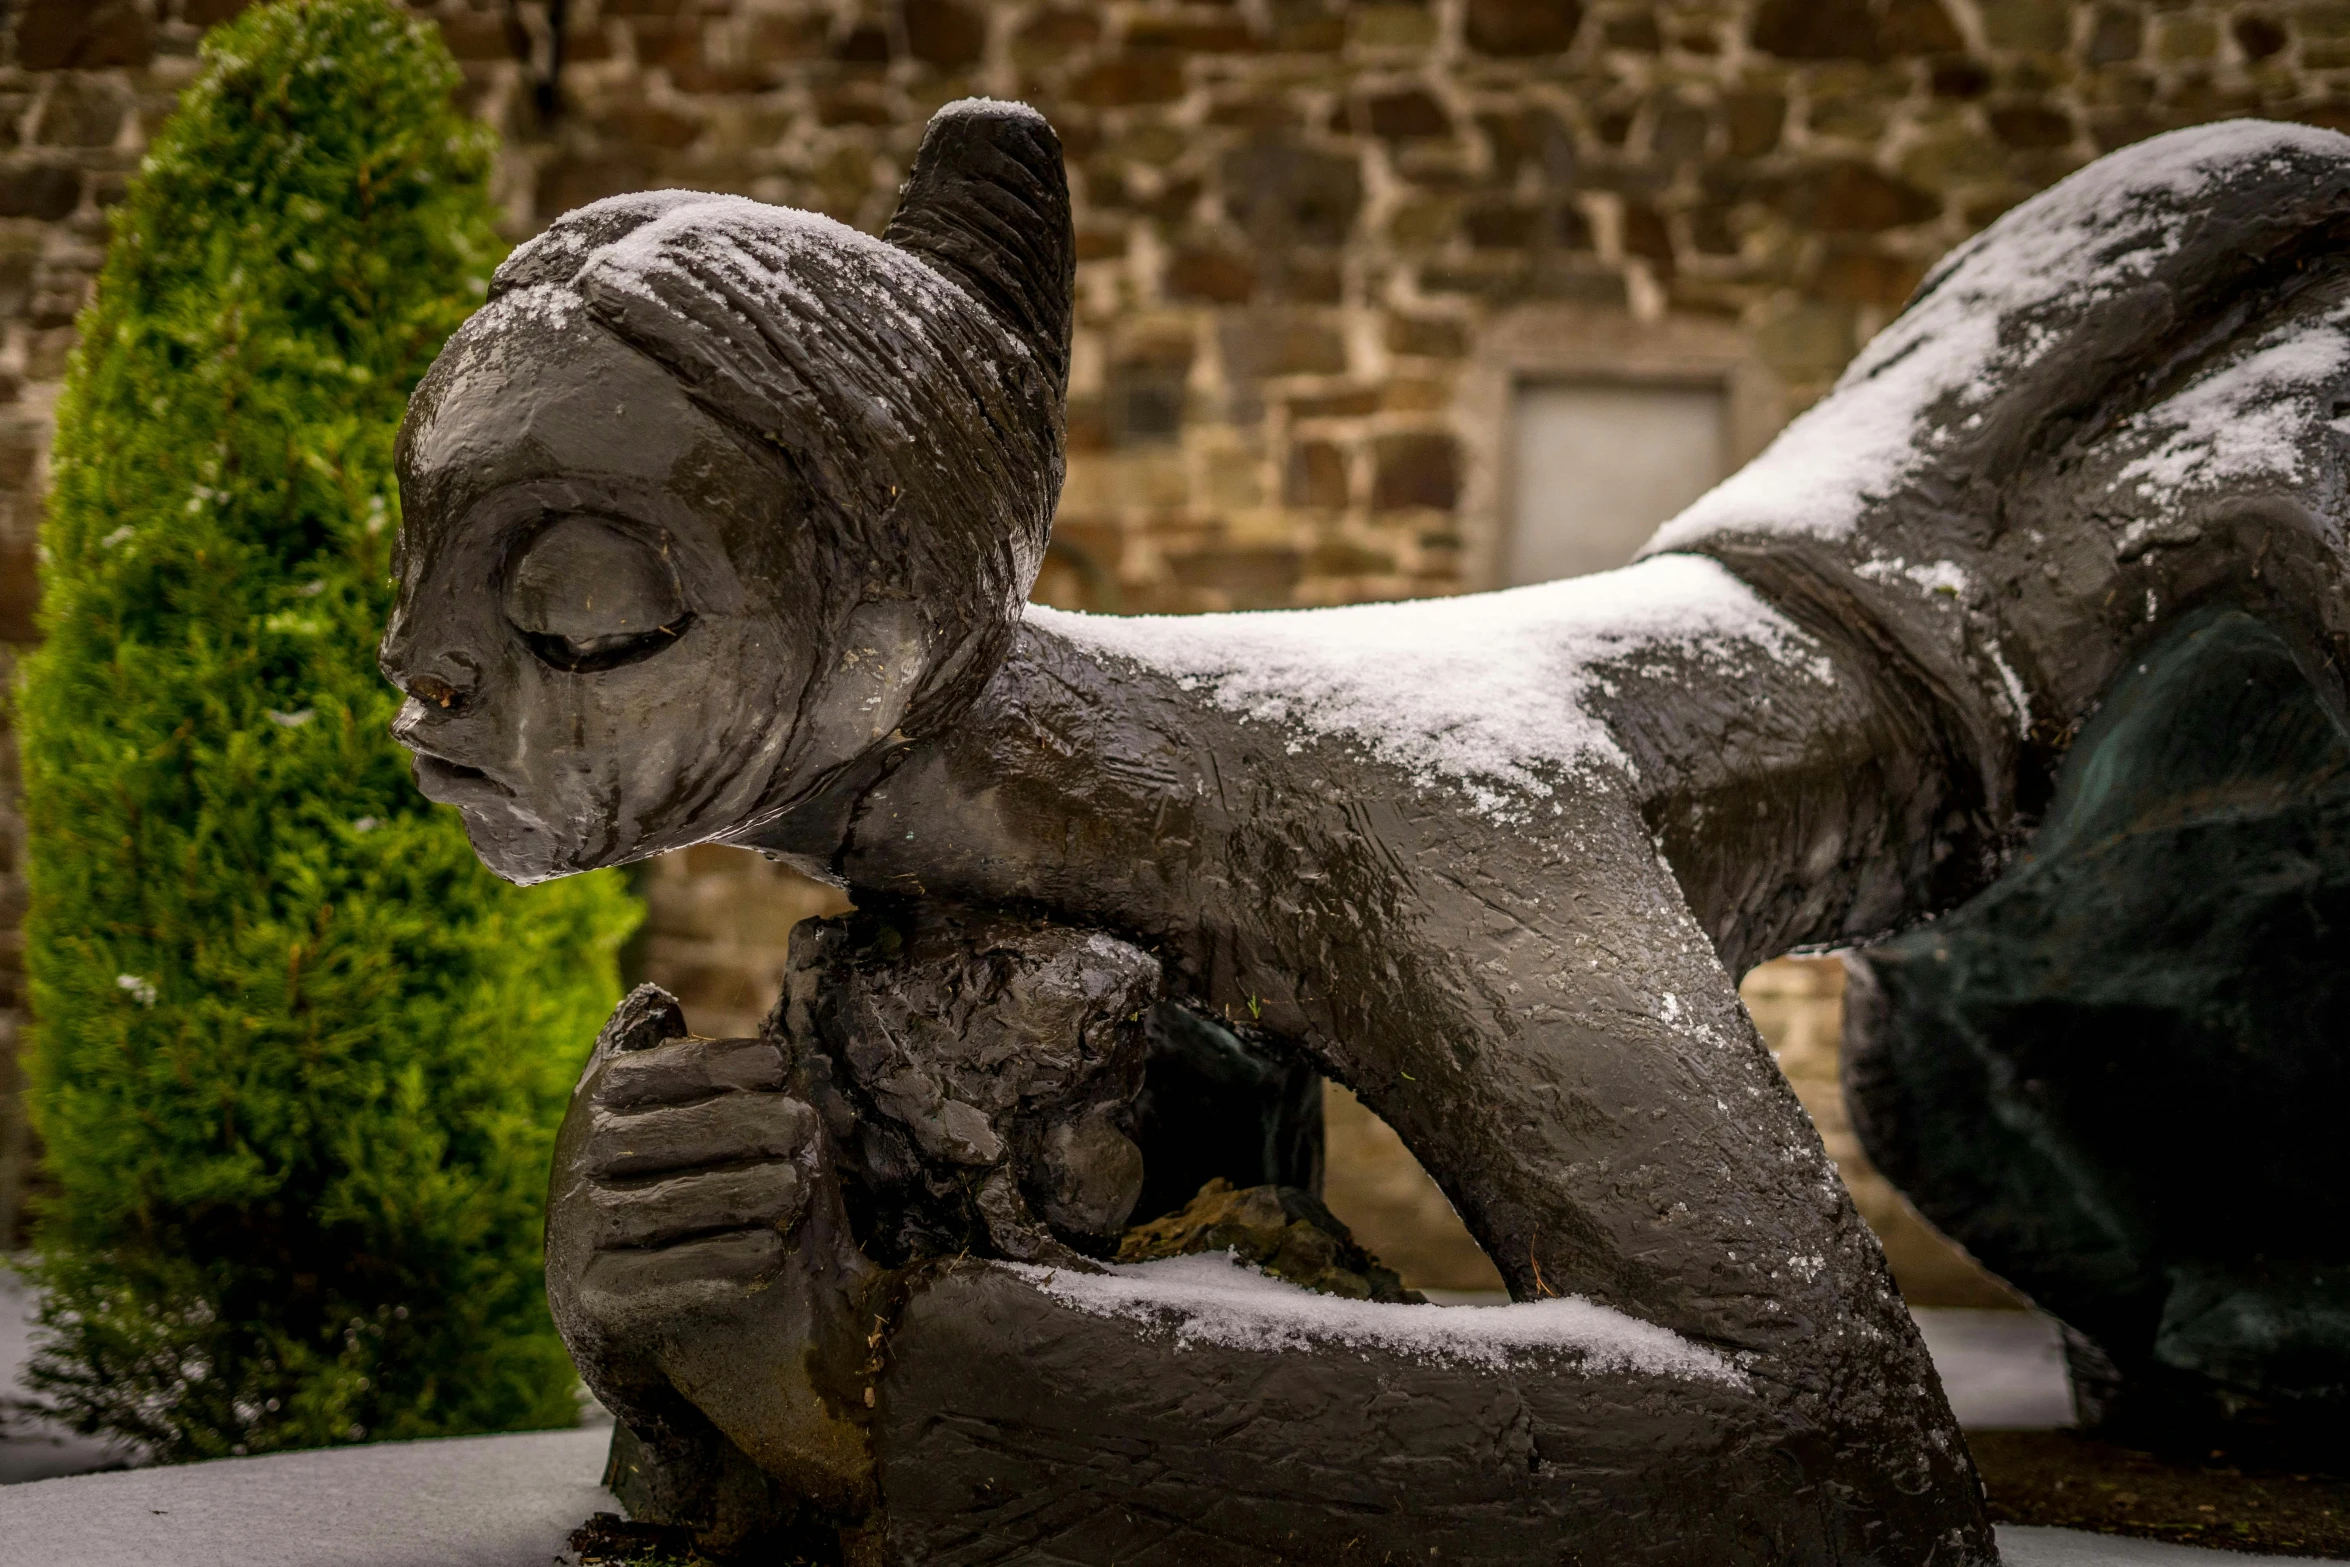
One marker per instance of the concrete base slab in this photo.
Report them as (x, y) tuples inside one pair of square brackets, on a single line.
[(2002, 1370), (490, 1501), (477, 1501)]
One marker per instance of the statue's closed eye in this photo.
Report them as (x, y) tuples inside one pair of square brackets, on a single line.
[(587, 596)]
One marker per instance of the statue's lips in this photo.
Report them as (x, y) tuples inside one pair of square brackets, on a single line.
[(454, 783)]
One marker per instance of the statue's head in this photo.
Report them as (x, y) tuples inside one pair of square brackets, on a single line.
[(713, 502)]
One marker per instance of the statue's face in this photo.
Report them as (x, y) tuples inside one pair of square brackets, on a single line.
[(608, 607)]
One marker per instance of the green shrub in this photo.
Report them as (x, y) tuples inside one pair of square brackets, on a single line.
[(298, 1058)]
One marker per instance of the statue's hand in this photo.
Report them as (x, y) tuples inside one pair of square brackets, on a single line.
[(698, 1259)]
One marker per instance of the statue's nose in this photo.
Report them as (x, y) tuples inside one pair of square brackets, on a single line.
[(443, 681)]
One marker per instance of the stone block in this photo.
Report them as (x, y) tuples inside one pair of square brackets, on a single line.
[(1868, 277), (16, 280), (47, 191), (1518, 28), (1754, 120), (1501, 224), (666, 43), (1808, 342), (1960, 79), (1533, 138), (2187, 38), (1848, 117), (1256, 112), (2036, 26), (1804, 30), (854, 105), (700, 76), (76, 35), (1424, 222), (1855, 198), (776, 39), (1411, 472), (1646, 236), (1308, 32), (1393, 26), (1220, 36), (1913, 27), (2328, 19), (471, 35), (586, 45), (1143, 403), (21, 446), (575, 179), (1853, 29), (1953, 156), (865, 44), (1427, 337), (2031, 126), (1713, 233), (944, 33), (650, 125), (1315, 476), (1152, 142), (1304, 277), (1680, 131), (1342, 558), (1353, 403), (1052, 36), (1401, 116), (1246, 578), (1413, 395), (2259, 35), (1260, 344), (1570, 229), (1129, 80), (2115, 35), (1172, 202), (210, 13), (1635, 32), (1282, 193)]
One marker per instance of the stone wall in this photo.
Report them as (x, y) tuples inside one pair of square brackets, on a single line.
[(1319, 242)]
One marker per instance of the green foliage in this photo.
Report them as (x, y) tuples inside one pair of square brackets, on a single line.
[(299, 1057)]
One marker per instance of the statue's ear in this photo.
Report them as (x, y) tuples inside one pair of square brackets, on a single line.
[(988, 205)]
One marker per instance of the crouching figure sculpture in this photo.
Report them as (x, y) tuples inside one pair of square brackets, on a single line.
[(719, 520)]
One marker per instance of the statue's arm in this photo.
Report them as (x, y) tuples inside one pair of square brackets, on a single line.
[(700, 1268)]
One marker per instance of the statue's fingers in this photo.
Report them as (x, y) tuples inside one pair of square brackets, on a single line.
[(682, 1069), (768, 1196), (728, 1258), (726, 1130)]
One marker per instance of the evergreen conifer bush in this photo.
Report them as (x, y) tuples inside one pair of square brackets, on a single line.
[(298, 1058)]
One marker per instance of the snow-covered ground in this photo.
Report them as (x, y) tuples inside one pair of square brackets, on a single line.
[(511, 1501)]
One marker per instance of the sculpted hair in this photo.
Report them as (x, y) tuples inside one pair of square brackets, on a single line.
[(915, 384)]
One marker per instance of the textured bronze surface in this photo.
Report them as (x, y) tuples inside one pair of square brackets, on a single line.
[(844, 455)]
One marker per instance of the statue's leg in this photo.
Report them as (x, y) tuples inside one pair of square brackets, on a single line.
[(1192, 1412)]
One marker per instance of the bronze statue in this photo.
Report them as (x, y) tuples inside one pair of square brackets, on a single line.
[(719, 520)]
